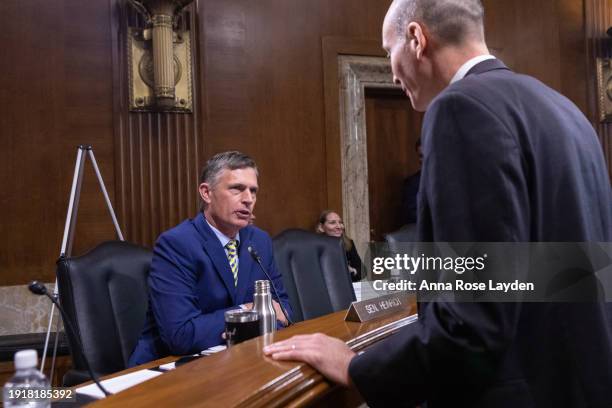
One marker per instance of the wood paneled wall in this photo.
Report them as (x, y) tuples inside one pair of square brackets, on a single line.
[(55, 93), (258, 70), (543, 39)]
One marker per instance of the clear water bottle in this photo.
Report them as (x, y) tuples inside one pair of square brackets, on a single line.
[(262, 304), (27, 377)]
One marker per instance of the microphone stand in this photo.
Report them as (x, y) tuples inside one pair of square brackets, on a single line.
[(39, 289), (257, 259)]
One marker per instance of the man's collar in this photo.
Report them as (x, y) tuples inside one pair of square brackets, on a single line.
[(465, 68), (224, 239)]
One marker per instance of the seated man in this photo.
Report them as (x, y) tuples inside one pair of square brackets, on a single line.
[(202, 267)]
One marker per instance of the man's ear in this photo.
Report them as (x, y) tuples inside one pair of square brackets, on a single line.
[(205, 191), (416, 39)]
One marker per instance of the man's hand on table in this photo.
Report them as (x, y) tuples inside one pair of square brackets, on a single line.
[(280, 316), (328, 355)]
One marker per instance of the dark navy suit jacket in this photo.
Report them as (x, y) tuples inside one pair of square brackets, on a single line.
[(410, 192), (191, 285), (506, 159)]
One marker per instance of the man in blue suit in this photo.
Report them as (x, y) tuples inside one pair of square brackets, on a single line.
[(202, 267), (506, 159)]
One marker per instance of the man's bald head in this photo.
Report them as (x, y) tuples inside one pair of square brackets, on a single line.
[(451, 22)]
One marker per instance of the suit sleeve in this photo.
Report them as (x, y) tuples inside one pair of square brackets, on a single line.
[(473, 190), (410, 190), (172, 282)]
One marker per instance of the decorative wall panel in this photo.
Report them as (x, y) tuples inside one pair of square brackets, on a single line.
[(598, 18), (157, 155)]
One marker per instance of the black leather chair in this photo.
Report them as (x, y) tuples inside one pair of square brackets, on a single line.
[(406, 234), (105, 294), (401, 241), (315, 273)]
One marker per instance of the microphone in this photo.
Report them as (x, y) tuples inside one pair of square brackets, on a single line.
[(38, 288), (257, 259)]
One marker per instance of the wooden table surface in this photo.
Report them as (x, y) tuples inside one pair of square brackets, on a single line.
[(242, 376)]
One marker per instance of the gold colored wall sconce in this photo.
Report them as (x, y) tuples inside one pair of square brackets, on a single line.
[(159, 59), (604, 84)]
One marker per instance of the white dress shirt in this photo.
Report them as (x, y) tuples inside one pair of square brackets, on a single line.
[(465, 68), (224, 239)]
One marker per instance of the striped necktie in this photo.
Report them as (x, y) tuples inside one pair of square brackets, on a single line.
[(233, 258)]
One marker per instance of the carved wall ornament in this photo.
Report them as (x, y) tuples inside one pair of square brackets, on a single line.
[(604, 89), (159, 58)]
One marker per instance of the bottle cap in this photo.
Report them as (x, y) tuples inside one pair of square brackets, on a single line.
[(26, 359), (262, 287)]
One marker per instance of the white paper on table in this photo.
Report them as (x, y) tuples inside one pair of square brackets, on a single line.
[(213, 350), (364, 290), (357, 290), (168, 366), (117, 384)]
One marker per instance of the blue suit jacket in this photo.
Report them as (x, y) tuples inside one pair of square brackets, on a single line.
[(191, 286), (506, 159)]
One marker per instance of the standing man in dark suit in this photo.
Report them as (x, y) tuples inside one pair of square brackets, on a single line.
[(202, 267), (505, 159)]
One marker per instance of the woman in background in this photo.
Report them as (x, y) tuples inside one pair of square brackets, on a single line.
[(331, 224)]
